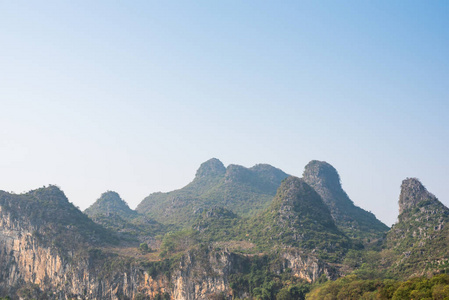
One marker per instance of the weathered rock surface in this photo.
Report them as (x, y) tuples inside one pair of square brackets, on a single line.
[(45, 258), (351, 219), (419, 241)]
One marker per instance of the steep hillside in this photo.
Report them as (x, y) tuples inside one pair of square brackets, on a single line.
[(298, 217), (56, 221), (51, 250), (242, 190), (352, 220), (110, 203), (418, 243), (113, 213)]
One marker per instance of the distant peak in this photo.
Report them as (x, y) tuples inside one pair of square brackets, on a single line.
[(412, 193), (109, 202), (212, 167), (323, 173), (51, 193), (293, 189), (111, 196)]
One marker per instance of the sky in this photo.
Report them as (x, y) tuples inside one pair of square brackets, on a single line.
[(132, 96)]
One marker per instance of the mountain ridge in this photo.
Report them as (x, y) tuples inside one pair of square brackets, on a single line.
[(350, 218), (242, 190)]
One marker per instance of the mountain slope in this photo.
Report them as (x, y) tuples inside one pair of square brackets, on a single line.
[(113, 213), (110, 203), (242, 190), (298, 217), (353, 220), (418, 243), (57, 221)]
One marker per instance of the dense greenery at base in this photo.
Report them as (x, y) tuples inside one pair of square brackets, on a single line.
[(353, 287), (260, 281)]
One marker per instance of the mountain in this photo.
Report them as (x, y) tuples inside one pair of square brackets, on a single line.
[(112, 212), (51, 250), (110, 203), (56, 221), (418, 243), (245, 191), (299, 218), (238, 240), (352, 220)]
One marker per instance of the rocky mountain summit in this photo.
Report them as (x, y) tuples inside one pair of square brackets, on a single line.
[(420, 238), (232, 233), (242, 190), (211, 168), (414, 194), (353, 220), (110, 203), (298, 217)]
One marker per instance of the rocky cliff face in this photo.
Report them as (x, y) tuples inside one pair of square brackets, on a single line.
[(307, 267), (420, 239), (351, 219), (412, 194), (79, 264)]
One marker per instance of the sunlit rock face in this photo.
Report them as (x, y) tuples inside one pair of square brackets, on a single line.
[(420, 239)]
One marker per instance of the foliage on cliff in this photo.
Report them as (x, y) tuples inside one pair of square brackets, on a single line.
[(242, 190), (354, 221), (113, 213), (298, 217), (55, 221), (354, 288), (253, 232), (418, 243), (110, 203)]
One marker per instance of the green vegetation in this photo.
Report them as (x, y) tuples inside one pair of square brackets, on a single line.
[(245, 191), (110, 203), (418, 243), (353, 287), (258, 279), (57, 222), (229, 226), (354, 221), (113, 213), (178, 241), (297, 217)]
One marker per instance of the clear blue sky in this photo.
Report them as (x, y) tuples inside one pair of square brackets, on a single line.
[(133, 96)]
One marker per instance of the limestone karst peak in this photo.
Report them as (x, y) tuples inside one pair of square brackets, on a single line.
[(323, 173), (212, 167), (109, 202), (412, 193), (350, 218)]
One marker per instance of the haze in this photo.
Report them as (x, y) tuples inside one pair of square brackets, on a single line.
[(134, 96)]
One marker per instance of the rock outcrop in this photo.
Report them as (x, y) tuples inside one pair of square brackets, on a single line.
[(298, 218), (245, 191), (211, 168), (69, 256), (351, 219), (420, 239)]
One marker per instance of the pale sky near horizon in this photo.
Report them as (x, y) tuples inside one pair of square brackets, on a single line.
[(133, 96)]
